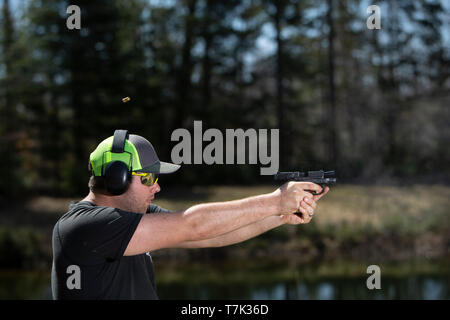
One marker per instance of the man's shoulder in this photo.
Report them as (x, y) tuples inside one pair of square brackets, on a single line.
[(153, 208), (85, 214), (81, 208), (85, 220)]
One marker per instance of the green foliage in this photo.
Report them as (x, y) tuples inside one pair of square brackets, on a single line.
[(22, 248), (231, 64)]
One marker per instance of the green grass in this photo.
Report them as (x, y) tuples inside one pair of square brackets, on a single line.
[(391, 222), (349, 210), (357, 221)]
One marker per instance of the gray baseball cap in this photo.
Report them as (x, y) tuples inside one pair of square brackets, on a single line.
[(138, 153)]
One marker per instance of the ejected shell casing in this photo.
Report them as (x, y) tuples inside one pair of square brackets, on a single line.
[(126, 99)]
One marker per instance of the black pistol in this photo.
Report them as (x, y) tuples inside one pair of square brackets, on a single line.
[(320, 177)]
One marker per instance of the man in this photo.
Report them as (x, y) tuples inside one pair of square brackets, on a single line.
[(101, 245)]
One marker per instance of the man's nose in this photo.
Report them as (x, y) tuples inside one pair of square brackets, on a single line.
[(156, 187)]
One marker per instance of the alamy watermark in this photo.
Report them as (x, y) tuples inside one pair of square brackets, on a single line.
[(255, 142), (374, 281), (74, 280), (74, 20), (374, 20)]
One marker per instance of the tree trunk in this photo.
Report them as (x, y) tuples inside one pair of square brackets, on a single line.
[(279, 83), (206, 83), (332, 122), (183, 85), (7, 44)]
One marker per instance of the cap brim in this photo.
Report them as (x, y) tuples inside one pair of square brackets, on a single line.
[(161, 168)]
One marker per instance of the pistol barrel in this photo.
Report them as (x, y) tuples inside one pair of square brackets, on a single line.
[(319, 177)]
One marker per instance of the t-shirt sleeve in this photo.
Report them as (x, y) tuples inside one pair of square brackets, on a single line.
[(153, 208), (107, 232)]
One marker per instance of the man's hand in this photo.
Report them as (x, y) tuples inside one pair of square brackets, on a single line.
[(306, 210), (292, 193)]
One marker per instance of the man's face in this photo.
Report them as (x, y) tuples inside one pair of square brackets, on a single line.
[(139, 196)]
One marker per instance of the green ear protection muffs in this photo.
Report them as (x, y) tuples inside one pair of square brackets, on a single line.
[(117, 175)]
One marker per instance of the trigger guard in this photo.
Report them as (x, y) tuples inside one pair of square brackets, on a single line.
[(316, 194)]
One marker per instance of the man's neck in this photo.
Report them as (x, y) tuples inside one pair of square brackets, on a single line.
[(100, 200), (108, 201)]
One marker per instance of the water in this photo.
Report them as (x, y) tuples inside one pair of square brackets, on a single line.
[(420, 287), (423, 280), (426, 280), (25, 285)]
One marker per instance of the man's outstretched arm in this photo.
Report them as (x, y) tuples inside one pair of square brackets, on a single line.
[(307, 206), (242, 234), (210, 220)]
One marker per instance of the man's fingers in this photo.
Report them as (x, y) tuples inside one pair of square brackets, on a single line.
[(311, 187), (308, 205), (295, 218), (321, 195), (306, 212), (309, 201), (292, 194), (298, 219)]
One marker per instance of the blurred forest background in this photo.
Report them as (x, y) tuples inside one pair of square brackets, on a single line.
[(372, 104)]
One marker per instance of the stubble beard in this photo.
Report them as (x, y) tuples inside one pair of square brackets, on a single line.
[(136, 205)]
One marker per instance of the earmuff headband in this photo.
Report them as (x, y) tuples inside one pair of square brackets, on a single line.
[(118, 145)]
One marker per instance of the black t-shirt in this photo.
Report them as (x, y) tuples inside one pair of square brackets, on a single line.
[(88, 262)]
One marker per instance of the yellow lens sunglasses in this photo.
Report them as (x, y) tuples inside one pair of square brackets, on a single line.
[(148, 179)]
